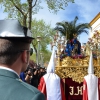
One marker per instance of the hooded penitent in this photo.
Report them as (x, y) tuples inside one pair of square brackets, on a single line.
[(90, 84), (51, 65), (50, 83), (91, 68)]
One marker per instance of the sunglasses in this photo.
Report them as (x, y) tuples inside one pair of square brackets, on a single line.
[(30, 51), (9, 53)]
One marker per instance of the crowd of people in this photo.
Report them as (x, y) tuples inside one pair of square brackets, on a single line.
[(32, 75)]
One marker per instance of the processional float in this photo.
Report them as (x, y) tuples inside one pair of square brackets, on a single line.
[(74, 64)]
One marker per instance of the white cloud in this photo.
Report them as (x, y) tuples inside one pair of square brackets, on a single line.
[(88, 9), (2, 14)]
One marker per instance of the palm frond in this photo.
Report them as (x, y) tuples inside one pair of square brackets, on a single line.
[(69, 28)]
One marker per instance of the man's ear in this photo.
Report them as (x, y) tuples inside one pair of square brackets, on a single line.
[(24, 56)]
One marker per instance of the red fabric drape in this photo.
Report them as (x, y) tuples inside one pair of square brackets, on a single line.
[(70, 86), (42, 86), (85, 91)]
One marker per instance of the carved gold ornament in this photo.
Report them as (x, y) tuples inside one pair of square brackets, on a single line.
[(76, 68)]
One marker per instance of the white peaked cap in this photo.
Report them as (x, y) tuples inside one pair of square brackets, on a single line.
[(91, 68), (51, 65)]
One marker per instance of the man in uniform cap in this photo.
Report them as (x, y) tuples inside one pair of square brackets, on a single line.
[(14, 58)]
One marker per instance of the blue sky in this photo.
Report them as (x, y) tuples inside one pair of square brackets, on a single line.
[(86, 10)]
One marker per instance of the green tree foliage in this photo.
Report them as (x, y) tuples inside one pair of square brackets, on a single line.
[(46, 56), (56, 5), (69, 28), (24, 10), (40, 28), (21, 10)]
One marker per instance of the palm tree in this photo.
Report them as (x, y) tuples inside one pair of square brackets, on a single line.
[(69, 28)]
